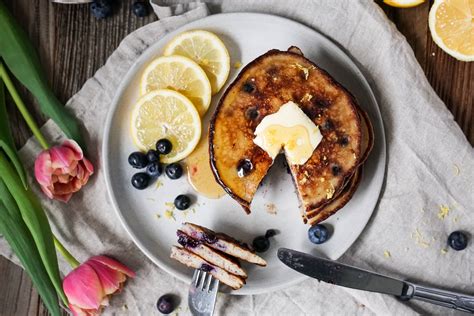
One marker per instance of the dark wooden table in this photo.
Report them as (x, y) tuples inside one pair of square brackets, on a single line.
[(73, 45)]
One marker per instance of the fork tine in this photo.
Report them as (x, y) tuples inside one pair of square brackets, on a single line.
[(214, 285), (207, 286), (196, 275), (202, 279)]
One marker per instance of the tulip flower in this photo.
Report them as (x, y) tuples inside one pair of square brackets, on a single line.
[(89, 286), (62, 170)]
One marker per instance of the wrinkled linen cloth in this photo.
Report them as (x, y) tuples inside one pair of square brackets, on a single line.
[(430, 166)]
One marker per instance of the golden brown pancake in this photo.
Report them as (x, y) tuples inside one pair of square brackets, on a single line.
[(317, 215), (260, 89)]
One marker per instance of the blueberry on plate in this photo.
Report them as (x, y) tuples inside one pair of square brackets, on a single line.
[(154, 169), (101, 8), (140, 180), (182, 202), (270, 233), (138, 160), (152, 155), (140, 9), (318, 234), (457, 240), (261, 244), (174, 171), (164, 146), (165, 304)]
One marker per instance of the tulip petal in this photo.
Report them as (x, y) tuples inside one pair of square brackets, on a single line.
[(77, 311), (110, 279), (83, 288), (43, 169), (75, 148), (88, 165), (114, 264)]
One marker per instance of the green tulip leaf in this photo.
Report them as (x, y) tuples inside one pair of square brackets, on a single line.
[(6, 139), (35, 219), (23, 62), (21, 241)]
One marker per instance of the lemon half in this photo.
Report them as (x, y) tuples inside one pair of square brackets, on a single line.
[(206, 49), (180, 74), (403, 3), (165, 113), (452, 27)]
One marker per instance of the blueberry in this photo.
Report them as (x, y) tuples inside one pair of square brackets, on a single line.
[(182, 202), (261, 244), (154, 169), (140, 9), (164, 146), (249, 87), (101, 8), (457, 240), (206, 268), (270, 233), (244, 167), (140, 180), (318, 234), (174, 171), (137, 160), (152, 155), (165, 304), (336, 169)]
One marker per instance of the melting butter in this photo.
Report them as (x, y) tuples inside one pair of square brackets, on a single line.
[(290, 130)]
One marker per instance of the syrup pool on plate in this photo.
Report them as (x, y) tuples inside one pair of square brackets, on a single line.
[(200, 175)]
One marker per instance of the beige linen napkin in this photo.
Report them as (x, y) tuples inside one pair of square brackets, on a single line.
[(425, 148)]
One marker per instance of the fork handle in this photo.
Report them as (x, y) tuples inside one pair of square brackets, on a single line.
[(440, 297)]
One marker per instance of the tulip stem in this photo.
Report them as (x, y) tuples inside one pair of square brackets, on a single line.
[(65, 253), (21, 107)]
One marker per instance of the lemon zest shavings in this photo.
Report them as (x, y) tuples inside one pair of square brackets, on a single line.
[(419, 239), (443, 211)]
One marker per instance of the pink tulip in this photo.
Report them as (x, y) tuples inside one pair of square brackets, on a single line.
[(89, 285), (62, 170)]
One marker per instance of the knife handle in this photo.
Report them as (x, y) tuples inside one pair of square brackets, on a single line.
[(444, 298)]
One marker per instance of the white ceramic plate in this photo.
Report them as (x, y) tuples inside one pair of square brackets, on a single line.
[(246, 35)]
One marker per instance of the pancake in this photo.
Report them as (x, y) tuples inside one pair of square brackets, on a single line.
[(211, 255), (223, 243), (192, 260), (260, 89), (337, 203), (367, 142)]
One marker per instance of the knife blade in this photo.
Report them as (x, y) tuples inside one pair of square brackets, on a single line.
[(348, 276), (340, 274)]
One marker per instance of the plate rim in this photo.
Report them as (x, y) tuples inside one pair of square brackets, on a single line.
[(128, 77)]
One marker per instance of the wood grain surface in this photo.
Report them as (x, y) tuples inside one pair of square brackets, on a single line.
[(72, 45)]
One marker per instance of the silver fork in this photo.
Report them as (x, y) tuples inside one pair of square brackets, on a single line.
[(203, 293)]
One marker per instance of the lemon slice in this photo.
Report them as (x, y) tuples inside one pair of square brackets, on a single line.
[(403, 3), (180, 74), (207, 50), (166, 114), (452, 27)]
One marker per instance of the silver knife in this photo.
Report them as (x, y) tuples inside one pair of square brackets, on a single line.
[(344, 275)]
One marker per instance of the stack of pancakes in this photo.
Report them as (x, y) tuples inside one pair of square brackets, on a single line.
[(216, 253), (327, 181)]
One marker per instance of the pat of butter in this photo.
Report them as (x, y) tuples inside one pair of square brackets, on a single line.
[(290, 130)]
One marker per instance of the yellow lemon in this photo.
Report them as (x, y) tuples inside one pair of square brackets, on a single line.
[(403, 3), (180, 74), (165, 113), (206, 49), (452, 27)]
